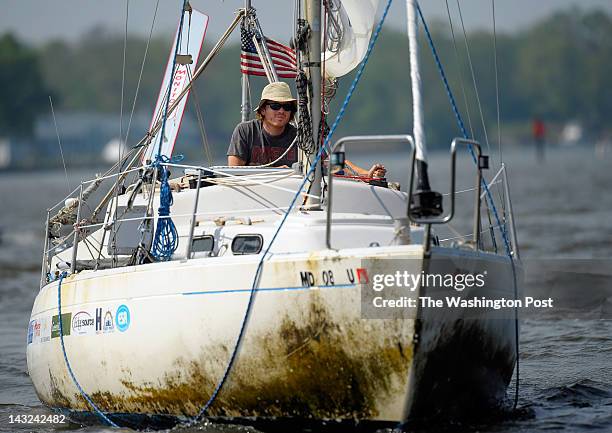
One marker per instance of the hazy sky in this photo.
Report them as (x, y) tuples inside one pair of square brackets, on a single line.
[(37, 21)]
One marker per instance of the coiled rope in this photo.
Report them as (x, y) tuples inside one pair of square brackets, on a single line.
[(314, 164), (165, 241), (304, 135), (166, 236)]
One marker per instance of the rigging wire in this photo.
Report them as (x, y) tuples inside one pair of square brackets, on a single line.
[(501, 162), (59, 142), (125, 35), (323, 108), (460, 69), (264, 255), (501, 192), (460, 122), (487, 193), (165, 240), (469, 57), (248, 84), (200, 118), (467, 107), (120, 146), (144, 60), (499, 142), (173, 71)]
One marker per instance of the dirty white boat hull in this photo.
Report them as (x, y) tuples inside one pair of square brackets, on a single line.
[(154, 340), (465, 357)]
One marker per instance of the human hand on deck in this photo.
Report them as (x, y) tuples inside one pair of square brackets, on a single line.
[(377, 170)]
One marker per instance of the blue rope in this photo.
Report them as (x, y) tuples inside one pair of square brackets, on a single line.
[(166, 236), (449, 93), (462, 127), (287, 212), (74, 379), (488, 192)]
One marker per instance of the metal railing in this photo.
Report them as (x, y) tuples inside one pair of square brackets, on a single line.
[(509, 214), (81, 228), (448, 217), (507, 222), (344, 141)]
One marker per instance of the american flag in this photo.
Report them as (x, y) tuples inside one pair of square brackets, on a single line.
[(283, 57)]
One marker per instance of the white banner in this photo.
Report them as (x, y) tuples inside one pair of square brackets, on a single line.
[(191, 41)]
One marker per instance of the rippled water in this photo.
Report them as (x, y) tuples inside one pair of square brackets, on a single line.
[(562, 210)]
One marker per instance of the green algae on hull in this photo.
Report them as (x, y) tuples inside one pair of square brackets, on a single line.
[(316, 368)]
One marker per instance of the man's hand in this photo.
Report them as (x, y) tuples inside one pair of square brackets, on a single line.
[(377, 170)]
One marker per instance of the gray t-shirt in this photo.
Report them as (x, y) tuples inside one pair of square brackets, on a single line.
[(251, 142)]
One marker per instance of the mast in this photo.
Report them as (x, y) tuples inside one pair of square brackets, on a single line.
[(245, 106), (425, 203), (313, 70), (415, 77)]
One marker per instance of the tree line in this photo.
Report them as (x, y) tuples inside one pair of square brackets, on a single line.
[(557, 70)]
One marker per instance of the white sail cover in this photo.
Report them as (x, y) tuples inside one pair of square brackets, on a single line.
[(190, 44), (357, 19)]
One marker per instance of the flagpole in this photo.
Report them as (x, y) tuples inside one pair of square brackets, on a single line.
[(245, 106)]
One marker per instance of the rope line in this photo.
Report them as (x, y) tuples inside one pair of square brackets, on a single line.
[(489, 196), (462, 125), (200, 118), (98, 412), (476, 93), (166, 235), (499, 141), (459, 68), (144, 60), (59, 141), (125, 36), (314, 164), (176, 50), (502, 193)]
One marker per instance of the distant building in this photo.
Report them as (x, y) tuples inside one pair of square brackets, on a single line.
[(85, 140)]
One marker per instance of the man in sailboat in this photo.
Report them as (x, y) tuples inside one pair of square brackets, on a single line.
[(265, 139), (270, 137)]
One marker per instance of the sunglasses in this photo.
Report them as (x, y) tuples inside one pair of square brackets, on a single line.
[(289, 106)]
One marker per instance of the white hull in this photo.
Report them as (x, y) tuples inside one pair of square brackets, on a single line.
[(307, 352)]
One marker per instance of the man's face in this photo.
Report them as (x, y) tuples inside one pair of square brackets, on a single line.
[(277, 118)]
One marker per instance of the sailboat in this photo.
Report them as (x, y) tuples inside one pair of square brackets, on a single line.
[(249, 293)]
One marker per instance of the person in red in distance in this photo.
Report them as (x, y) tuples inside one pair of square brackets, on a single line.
[(539, 137), (265, 139)]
